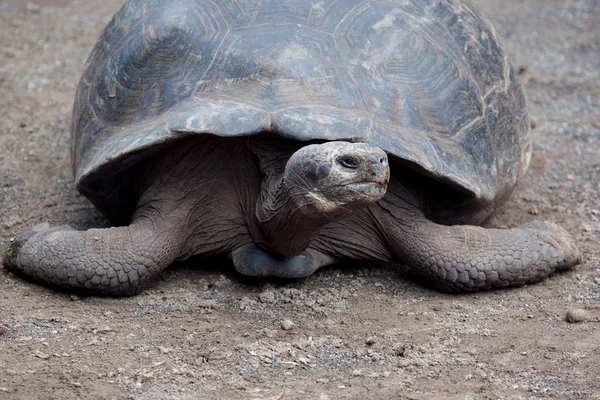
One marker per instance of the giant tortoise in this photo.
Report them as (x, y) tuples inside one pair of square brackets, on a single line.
[(291, 135)]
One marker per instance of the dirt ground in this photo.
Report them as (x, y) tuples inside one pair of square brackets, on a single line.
[(360, 332)]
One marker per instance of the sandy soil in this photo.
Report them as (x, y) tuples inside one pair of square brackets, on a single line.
[(205, 332)]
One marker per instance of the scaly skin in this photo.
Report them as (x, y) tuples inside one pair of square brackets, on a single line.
[(470, 258), (97, 261)]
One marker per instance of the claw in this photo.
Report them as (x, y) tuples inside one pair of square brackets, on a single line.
[(18, 240)]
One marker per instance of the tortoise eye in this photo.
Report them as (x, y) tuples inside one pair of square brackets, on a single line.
[(348, 162)]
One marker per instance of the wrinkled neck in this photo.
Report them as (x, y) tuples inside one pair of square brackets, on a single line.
[(287, 220)]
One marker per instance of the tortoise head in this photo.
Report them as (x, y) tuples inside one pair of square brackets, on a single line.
[(322, 183), (336, 178)]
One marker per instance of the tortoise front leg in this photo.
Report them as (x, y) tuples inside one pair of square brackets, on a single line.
[(113, 261), (470, 258)]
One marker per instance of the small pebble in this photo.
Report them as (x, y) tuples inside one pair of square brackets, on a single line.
[(207, 303), (33, 8), (399, 351), (287, 325), (41, 355), (576, 315), (534, 210), (267, 297), (105, 329), (370, 341)]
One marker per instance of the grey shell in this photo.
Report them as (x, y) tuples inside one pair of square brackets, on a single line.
[(427, 81)]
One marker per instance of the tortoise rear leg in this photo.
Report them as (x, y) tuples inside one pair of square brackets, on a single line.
[(465, 258), (253, 260), (113, 261)]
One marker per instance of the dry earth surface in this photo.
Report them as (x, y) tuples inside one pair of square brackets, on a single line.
[(360, 331)]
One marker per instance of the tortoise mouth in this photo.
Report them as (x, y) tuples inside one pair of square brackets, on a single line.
[(369, 188)]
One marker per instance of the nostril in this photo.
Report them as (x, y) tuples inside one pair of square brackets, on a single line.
[(348, 162)]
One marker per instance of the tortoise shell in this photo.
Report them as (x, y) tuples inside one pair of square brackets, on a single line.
[(426, 81)]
